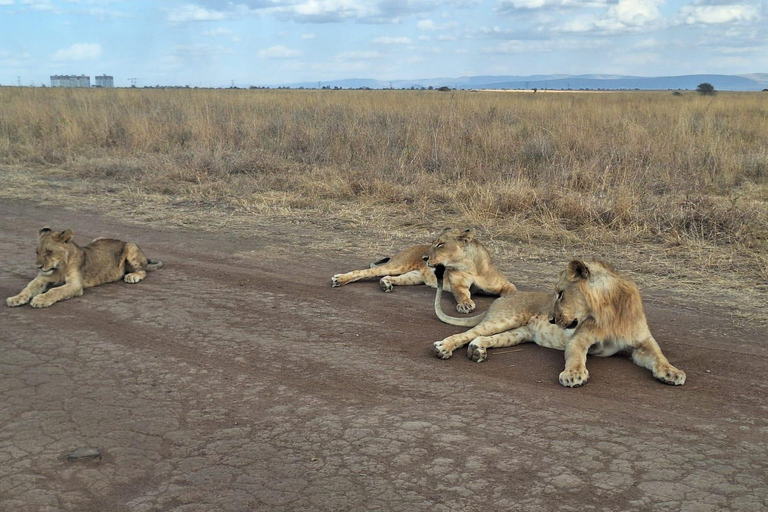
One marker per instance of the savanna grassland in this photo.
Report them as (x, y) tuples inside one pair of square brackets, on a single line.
[(667, 184)]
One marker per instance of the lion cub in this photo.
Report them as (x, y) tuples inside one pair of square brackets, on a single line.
[(62, 262), (467, 266), (594, 310)]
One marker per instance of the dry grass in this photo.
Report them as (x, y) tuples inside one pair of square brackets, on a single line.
[(683, 177)]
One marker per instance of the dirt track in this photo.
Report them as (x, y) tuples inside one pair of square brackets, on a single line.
[(237, 379)]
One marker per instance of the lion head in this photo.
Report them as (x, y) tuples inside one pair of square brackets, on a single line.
[(570, 305), (591, 291), (53, 250), (448, 249)]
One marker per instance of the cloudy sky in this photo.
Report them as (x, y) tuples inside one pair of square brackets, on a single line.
[(267, 42)]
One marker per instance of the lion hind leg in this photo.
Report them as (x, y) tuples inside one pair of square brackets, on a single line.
[(135, 263), (648, 355), (444, 348), (356, 275), (386, 269), (478, 348), (411, 278)]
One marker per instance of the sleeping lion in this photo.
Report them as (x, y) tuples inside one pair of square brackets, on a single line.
[(66, 268)]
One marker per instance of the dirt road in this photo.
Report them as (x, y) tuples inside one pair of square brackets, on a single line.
[(237, 379)]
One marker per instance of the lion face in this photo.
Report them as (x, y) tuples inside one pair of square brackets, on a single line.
[(52, 250), (570, 307), (448, 248)]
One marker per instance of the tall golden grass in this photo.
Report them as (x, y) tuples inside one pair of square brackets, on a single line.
[(621, 166)]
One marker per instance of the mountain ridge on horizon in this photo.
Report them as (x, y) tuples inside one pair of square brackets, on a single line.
[(744, 82)]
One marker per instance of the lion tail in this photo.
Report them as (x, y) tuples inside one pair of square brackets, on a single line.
[(154, 265), (380, 262), (469, 321)]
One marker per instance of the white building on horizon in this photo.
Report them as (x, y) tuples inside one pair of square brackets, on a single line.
[(105, 81), (70, 81)]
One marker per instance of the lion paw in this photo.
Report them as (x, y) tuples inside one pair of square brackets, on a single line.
[(670, 375), (477, 353), (574, 378), (441, 351), (41, 301), (17, 300), (386, 284), (465, 307), (133, 278)]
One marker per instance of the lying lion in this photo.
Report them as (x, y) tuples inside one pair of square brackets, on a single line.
[(594, 311), (62, 262), (467, 265)]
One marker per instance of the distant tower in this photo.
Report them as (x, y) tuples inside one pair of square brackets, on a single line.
[(105, 81)]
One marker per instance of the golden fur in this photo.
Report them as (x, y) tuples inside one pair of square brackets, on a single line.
[(67, 268), (593, 310), (467, 265)]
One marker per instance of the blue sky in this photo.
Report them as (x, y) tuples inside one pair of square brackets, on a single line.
[(267, 42)]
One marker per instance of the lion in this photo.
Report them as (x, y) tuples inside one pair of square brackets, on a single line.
[(468, 267), (594, 310), (66, 268)]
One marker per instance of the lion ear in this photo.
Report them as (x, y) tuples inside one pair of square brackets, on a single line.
[(578, 270), (445, 230), (65, 236), (45, 231), (467, 235)]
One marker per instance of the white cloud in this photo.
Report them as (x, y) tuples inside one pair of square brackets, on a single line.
[(194, 13), (625, 16), (527, 4), (348, 56), (527, 46), (635, 13), (329, 10), (219, 31), (201, 50), (392, 40), (79, 51), (104, 14), (426, 25), (308, 36), (335, 11), (577, 25), (719, 14), (6, 2), (38, 5), (511, 5), (10, 60), (430, 25), (646, 44), (279, 52)]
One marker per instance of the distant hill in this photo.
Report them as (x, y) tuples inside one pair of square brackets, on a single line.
[(751, 82)]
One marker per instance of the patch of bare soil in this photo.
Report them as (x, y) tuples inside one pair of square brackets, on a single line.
[(237, 379)]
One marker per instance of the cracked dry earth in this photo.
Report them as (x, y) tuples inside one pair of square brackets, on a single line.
[(237, 379)]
